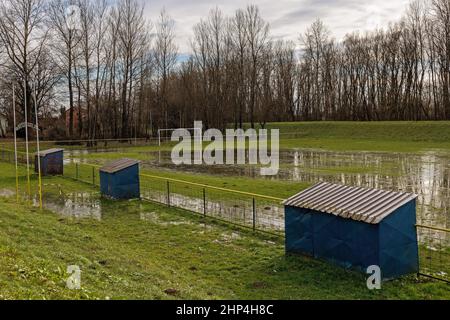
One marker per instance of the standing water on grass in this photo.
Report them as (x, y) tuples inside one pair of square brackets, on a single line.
[(425, 174), (74, 205)]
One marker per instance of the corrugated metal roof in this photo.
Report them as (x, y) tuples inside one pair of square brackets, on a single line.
[(118, 165), (49, 151), (360, 204)]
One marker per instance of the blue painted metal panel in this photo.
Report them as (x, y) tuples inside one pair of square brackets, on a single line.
[(105, 184), (392, 244), (348, 243), (399, 252), (51, 164), (299, 231)]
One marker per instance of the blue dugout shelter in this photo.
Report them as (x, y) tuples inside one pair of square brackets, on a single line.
[(52, 162), (354, 228), (120, 179)]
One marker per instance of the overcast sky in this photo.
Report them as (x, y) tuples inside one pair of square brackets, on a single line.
[(288, 18)]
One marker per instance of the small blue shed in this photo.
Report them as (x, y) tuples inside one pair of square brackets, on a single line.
[(120, 179), (52, 162), (354, 228)]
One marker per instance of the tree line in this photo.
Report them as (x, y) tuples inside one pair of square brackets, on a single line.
[(113, 73)]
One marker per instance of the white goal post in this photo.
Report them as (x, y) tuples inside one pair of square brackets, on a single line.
[(169, 130)]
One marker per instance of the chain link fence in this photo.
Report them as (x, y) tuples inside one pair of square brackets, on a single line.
[(82, 172), (248, 210), (258, 212), (434, 252)]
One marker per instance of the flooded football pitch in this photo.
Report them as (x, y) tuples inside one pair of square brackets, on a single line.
[(425, 174)]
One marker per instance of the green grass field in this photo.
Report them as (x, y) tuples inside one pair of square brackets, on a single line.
[(401, 136), (365, 136), (142, 250)]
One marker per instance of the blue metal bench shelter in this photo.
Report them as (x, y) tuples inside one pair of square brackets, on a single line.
[(120, 179), (52, 162), (354, 228)]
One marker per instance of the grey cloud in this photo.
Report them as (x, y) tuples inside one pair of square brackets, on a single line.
[(313, 9), (288, 18)]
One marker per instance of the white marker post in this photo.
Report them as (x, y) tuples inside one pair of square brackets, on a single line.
[(26, 138), (15, 144), (38, 148)]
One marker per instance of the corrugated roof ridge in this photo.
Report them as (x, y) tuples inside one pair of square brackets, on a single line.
[(357, 203), (304, 192), (350, 197), (118, 165), (319, 195), (336, 198), (49, 151)]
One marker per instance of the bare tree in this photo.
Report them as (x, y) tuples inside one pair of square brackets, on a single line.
[(257, 34), (132, 32), (64, 41), (124, 85), (23, 35), (165, 57)]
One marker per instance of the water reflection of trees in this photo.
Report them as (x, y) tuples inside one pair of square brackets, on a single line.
[(426, 175)]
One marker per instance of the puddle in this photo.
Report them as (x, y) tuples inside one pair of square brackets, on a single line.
[(230, 237), (75, 205), (271, 217), (7, 193), (227, 238), (150, 217), (154, 218), (206, 227)]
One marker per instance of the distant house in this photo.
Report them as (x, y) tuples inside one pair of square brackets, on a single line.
[(3, 125), (76, 118)]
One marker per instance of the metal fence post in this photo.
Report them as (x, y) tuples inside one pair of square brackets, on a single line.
[(254, 214), (93, 176), (76, 171), (168, 193), (204, 202)]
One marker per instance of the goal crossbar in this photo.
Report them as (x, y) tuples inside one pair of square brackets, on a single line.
[(167, 130)]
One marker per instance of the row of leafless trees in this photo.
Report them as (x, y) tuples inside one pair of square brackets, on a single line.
[(238, 74), (119, 75), (94, 58), (401, 73)]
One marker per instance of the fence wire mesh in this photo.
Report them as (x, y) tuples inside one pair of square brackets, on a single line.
[(434, 252), (82, 172), (240, 208)]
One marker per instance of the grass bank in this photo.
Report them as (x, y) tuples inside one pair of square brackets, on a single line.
[(395, 136), (365, 136)]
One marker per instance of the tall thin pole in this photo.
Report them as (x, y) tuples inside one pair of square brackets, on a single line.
[(15, 144), (38, 148), (26, 139)]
